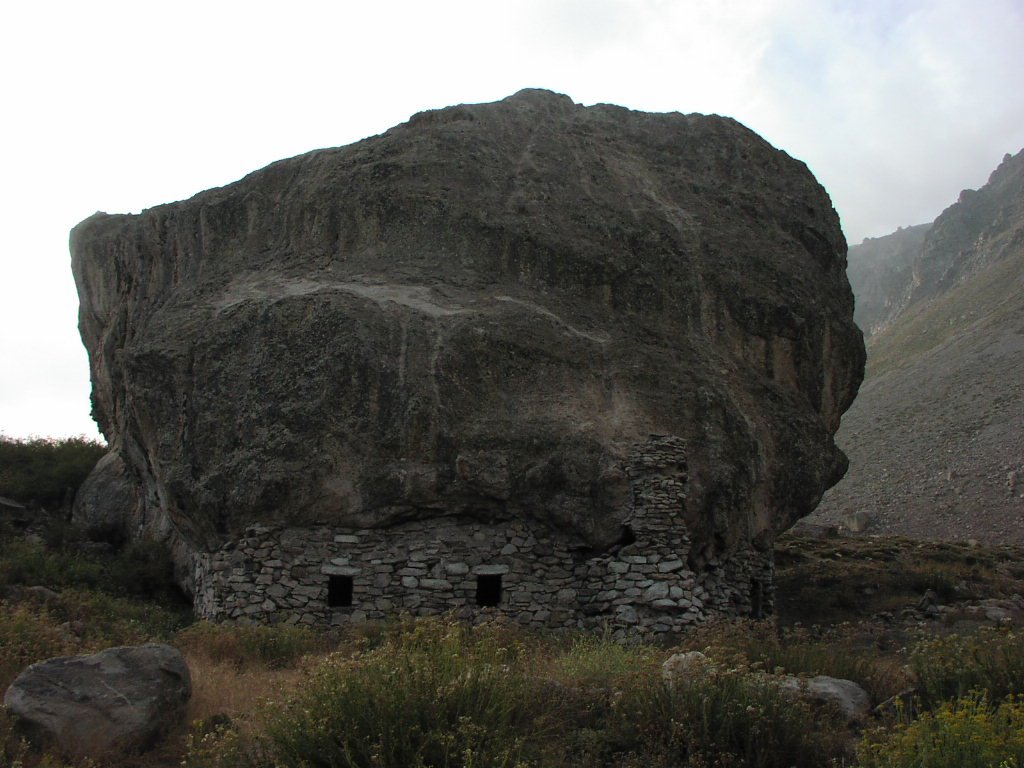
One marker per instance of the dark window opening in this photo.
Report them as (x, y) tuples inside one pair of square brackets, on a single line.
[(627, 536), (488, 589), (339, 591), (756, 600)]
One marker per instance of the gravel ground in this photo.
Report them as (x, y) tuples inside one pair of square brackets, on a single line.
[(936, 446)]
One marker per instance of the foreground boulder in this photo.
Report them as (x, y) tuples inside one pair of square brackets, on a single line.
[(574, 365), (852, 701), (118, 700)]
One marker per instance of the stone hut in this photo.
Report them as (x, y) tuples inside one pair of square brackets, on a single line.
[(523, 569)]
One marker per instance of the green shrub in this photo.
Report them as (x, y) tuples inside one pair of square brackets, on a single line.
[(77, 621), (28, 563), (735, 718), (594, 661), (108, 620), (440, 695), (142, 569), (582, 685), (950, 667), (220, 746), (966, 733), (942, 579), (46, 471), (27, 635)]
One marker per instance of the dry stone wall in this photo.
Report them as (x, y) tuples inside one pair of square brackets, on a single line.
[(478, 569)]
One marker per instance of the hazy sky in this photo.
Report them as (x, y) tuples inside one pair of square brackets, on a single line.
[(117, 106)]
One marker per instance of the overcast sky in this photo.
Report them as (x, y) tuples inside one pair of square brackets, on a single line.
[(895, 105)]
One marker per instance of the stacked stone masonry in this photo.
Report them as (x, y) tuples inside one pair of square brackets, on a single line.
[(536, 576)]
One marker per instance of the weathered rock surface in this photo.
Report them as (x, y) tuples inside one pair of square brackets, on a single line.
[(848, 697), (107, 503), (120, 699), (480, 312)]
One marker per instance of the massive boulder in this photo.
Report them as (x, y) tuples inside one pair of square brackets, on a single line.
[(480, 312)]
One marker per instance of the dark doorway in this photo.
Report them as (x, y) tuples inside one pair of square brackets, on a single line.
[(488, 589), (339, 591), (756, 600)]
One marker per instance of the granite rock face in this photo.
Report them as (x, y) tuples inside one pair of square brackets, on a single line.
[(481, 313), (107, 503)]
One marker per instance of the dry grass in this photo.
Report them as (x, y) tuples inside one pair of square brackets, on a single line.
[(828, 581), (221, 688), (568, 700)]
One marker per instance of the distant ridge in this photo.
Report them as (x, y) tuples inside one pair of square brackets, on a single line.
[(881, 271), (936, 435)]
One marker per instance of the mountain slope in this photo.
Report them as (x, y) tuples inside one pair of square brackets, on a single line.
[(881, 274), (936, 435)]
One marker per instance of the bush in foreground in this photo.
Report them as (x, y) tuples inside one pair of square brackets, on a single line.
[(951, 667), (965, 733), (733, 717), (440, 694)]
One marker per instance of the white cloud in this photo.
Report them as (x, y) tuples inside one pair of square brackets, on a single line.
[(123, 105), (896, 106)]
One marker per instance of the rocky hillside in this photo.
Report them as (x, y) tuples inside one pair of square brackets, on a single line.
[(936, 435), (881, 272)]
